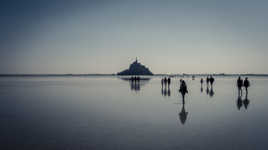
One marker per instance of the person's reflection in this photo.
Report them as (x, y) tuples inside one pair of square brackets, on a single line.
[(135, 85), (168, 92), (135, 82), (207, 90), (246, 100), (183, 114), (165, 91), (211, 92), (239, 102)]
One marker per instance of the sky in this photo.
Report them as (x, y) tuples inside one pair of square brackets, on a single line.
[(104, 36)]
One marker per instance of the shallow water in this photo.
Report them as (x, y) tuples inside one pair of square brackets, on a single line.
[(110, 113)]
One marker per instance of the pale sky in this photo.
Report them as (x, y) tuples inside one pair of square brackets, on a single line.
[(168, 36)]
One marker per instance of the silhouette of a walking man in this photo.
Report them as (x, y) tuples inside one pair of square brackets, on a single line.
[(239, 85), (246, 84), (211, 80), (183, 89)]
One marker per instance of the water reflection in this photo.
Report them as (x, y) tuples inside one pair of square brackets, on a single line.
[(183, 114), (165, 91), (136, 82), (246, 101), (211, 92), (241, 102)]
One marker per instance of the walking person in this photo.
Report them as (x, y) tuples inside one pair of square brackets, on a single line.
[(165, 81), (239, 83), (201, 81), (211, 81), (207, 80), (183, 89), (168, 81), (246, 84)]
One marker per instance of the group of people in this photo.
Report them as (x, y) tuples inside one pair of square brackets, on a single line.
[(240, 83), (166, 81), (210, 80), (135, 78)]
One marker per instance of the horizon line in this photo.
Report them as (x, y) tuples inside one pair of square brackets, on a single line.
[(115, 74)]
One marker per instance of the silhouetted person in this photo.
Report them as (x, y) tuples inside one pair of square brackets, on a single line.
[(183, 89), (165, 81), (239, 102), (207, 90), (246, 101), (239, 83), (138, 79), (211, 80), (168, 81), (162, 82), (207, 80), (183, 114), (246, 84), (201, 82)]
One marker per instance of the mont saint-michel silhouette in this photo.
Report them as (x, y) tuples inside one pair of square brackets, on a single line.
[(136, 68)]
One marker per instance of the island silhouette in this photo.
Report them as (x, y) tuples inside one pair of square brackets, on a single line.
[(136, 68)]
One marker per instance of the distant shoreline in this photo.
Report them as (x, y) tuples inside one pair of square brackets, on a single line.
[(103, 75)]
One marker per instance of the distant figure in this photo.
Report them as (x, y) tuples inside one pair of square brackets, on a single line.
[(138, 78), (239, 83), (207, 80), (201, 81), (168, 81), (165, 81), (183, 89), (211, 80), (246, 84), (162, 82)]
